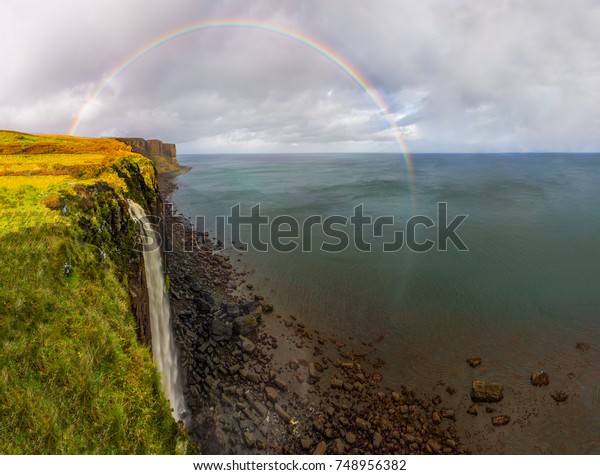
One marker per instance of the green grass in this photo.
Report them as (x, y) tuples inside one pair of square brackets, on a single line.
[(73, 377)]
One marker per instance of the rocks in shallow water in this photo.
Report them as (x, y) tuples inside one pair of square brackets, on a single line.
[(559, 396), (500, 420), (483, 391), (539, 378), (321, 448), (473, 362), (245, 324), (473, 410), (220, 330)]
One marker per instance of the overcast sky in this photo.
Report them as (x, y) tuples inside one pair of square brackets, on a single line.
[(456, 75)]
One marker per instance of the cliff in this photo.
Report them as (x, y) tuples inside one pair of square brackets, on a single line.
[(76, 373), (163, 155)]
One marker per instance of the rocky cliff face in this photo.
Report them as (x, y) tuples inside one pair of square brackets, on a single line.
[(164, 155)]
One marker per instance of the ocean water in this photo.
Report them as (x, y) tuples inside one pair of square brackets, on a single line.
[(522, 296)]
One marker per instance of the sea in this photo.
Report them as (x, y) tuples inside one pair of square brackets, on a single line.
[(500, 259)]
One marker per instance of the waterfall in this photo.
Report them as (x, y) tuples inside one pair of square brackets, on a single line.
[(164, 352)]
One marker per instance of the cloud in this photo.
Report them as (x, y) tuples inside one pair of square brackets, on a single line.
[(461, 75)]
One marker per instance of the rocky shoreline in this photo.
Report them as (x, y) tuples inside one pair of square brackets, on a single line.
[(257, 382)]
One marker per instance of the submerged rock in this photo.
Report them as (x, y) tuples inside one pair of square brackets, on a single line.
[(500, 420), (559, 396), (539, 378), (473, 362), (483, 391)]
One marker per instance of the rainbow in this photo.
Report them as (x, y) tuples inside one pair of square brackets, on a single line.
[(323, 50)]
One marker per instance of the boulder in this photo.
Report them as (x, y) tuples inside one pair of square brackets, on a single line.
[(539, 378), (483, 391), (220, 330), (245, 324), (249, 307)]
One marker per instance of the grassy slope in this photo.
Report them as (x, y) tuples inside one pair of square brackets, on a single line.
[(73, 378)]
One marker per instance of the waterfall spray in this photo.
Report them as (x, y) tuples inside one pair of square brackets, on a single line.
[(164, 352)]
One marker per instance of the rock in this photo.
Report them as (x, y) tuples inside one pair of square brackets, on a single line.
[(581, 346), (473, 410), (246, 345), (249, 307), (220, 330), (305, 443), (203, 306), (321, 448), (282, 413), (435, 446), (473, 362), (448, 413), (267, 307), (312, 371), (234, 368), (361, 424), (250, 439), (350, 438), (336, 383), (294, 364), (486, 392), (377, 440), (272, 394), (436, 418), (539, 378), (279, 382), (500, 420), (559, 396), (338, 447), (245, 324), (232, 309)]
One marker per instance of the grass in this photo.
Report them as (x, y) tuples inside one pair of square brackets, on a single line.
[(73, 377)]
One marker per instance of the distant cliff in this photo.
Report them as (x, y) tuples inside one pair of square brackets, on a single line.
[(164, 155)]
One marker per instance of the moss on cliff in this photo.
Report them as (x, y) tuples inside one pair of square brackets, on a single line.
[(73, 376)]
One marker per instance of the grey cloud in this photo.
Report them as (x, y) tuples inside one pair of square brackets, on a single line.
[(457, 75)]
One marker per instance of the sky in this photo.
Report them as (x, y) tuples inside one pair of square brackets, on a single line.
[(446, 75)]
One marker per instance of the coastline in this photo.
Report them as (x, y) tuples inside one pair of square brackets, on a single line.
[(281, 387)]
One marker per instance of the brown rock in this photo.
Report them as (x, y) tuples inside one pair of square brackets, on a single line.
[(250, 439), (280, 383), (448, 413), (483, 391), (500, 420), (272, 394), (305, 443), (436, 418), (282, 413), (321, 448), (377, 440), (338, 447), (581, 346), (350, 438), (539, 378), (473, 410), (473, 362)]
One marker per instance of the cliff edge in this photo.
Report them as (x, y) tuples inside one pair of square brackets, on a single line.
[(163, 155)]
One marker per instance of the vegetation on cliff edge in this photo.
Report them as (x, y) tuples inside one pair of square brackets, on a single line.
[(73, 377)]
